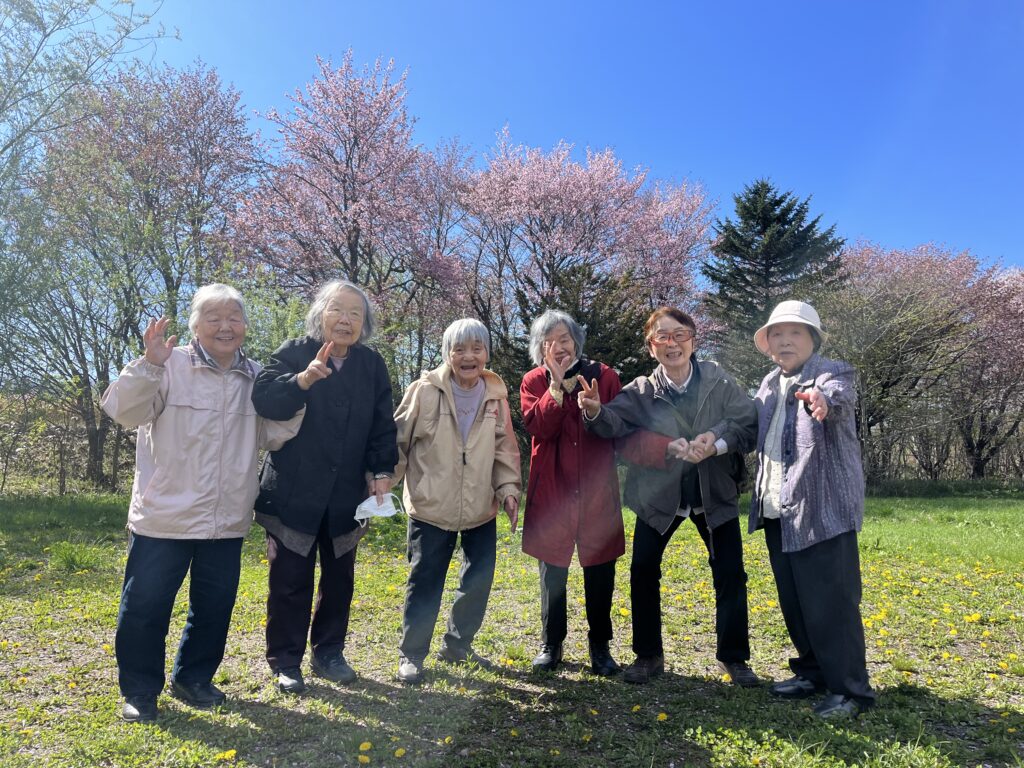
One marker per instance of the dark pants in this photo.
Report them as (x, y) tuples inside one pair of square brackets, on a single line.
[(291, 595), (819, 593), (727, 574), (430, 550), (598, 586), (155, 571)]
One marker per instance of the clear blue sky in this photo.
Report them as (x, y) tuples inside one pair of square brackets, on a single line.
[(904, 118)]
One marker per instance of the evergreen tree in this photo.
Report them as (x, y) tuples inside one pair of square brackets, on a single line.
[(770, 253)]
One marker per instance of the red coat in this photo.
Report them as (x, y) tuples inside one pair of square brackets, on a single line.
[(572, 500)]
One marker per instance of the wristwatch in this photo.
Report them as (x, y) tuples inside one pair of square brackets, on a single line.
[(382, 476)]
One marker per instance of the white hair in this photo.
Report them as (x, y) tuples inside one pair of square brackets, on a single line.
[(464, 331), (545, 324), (214, 293), (315, 315)]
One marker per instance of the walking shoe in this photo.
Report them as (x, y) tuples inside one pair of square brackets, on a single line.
[(548, 659), (644, 668), (795, 688), (289, 680), (463, 656), (409, 672), (200, 695), (139, 709), (601, 662), (835, 706), (740, 674), (334, 668)]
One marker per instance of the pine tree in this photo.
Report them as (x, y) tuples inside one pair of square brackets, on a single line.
[(770, 253)]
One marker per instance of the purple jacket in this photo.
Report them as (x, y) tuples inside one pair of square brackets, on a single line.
[(823, 481)]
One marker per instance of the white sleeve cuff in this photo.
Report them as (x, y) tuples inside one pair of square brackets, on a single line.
[(721, 447)]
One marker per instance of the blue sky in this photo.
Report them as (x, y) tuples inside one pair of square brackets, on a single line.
[(903, 119)]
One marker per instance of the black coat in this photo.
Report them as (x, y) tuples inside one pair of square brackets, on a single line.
[(348, 430)]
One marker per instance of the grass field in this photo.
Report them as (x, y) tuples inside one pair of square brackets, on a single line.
[(943, 610)]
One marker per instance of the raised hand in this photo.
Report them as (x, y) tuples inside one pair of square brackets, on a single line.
[(678, 448), (512, 510), (816, 402), (589, 399), (701, 447), (158, 350), (317, 368), (556, 369)]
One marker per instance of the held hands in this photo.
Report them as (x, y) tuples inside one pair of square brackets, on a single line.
[(317, 368), (589, 399), (512, 510), (815, 402), (694, 451), (157, 349)]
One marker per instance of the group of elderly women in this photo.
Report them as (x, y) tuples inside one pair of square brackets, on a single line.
[(322, 408)]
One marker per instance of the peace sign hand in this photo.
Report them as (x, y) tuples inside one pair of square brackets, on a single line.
[(589, 399), (157, 349), (816, 403), (317, 368)]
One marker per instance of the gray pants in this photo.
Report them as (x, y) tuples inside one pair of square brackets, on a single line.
[(819, 593), (430, 550)]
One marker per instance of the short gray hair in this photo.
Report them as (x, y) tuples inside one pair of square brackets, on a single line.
[(545, 324), (464, 331), (214, 293), (315, 315)]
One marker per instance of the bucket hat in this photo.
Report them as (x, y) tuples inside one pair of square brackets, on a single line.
[(789, 312)]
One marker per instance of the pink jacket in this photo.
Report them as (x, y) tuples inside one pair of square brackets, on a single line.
[(196, 451)]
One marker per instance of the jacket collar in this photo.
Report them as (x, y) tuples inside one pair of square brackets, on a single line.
[(494, 387), (199, 359), (708, 373), (804, 377)]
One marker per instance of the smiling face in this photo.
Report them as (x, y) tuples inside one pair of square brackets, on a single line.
[(467, 362), (790, 345), (343, 320), (560, 344), (221, 331), (671, 344)]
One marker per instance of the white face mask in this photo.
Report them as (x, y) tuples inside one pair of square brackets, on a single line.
[(370, 508)]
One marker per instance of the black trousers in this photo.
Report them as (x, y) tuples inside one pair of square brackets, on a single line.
[(728, 576), (291, 595), (819, 593), (598, 586), (430, 550)]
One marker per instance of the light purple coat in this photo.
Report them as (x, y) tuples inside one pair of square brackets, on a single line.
[(823, 478)]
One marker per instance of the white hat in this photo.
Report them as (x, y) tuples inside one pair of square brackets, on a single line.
[(789, 312)]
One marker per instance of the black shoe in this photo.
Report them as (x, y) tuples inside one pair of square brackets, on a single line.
[(139, 709), (289, 680), (335, 669), (548, 659), (836, 706), (410, 671), (601, 662), (643, 669), (200, 695), (795, 688), (463, 656), (740, 674)]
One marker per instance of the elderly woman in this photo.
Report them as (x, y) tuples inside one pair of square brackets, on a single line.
[(572, 498), (460, 461), (701, 423), (192, 497), (809, 498), (311, 486)]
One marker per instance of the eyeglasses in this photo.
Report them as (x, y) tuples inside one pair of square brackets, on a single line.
[(681, 336)]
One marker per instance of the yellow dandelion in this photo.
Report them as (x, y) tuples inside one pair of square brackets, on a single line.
[(993, 676), (593, 711), (636, 707), (366, 746), (447, 739), (555, 751), (225, 756), (662, 717), (586, 738), (364, 759), (952, 631), (1003, 665), (986, 633), (513, 732), (400, 752), (624, 611)]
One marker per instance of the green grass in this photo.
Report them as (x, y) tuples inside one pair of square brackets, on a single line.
[(943, 608)]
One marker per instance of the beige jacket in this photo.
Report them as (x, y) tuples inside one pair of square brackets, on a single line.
[(196, 451), (449, 484)]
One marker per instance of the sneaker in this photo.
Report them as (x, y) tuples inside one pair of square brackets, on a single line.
[(601, 662), (795, 687), (644, 668), (409, 672), (835, 706), (548, 659), (139, 709), (334, 668), (740, 674), (199, 695), (463, 656), (289, 680)]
